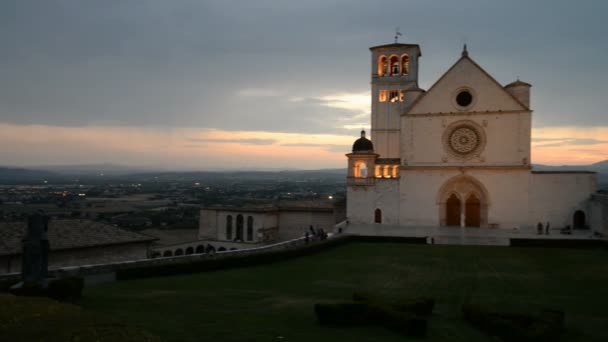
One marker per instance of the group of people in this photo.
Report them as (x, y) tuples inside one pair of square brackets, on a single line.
[(540, 230), (315, 235)]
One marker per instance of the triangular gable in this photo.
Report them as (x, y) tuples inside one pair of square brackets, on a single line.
[(488, 94)]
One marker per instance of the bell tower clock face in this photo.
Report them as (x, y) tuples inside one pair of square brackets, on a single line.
[(464, 139)]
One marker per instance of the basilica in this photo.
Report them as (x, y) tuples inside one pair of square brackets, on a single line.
[(456, 154)]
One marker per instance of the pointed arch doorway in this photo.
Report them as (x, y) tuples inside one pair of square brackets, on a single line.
[(463, 201), (453, 211), (472, 213)]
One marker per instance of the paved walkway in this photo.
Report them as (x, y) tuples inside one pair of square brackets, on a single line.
[(461, 236)]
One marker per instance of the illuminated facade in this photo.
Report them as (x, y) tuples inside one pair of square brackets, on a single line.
[(455, 155)]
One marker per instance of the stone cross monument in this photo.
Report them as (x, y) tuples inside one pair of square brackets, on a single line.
[(34, 268)]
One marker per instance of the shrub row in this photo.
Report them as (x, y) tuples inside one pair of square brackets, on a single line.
[(355, 314), (64, 289), (560, 243), (418, 306), (516, 326), (404, 316), (5, 285)]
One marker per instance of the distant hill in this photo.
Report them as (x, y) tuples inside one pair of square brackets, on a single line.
[(599, 167), (104, 173), (13, 175), (106, 169)]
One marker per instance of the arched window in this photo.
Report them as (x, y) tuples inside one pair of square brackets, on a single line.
[(386, 173), (167, 254), (179, 252), (229, 227), (250, 228), (394, 65), (382, 66), (405, 64), (579, 220), (360, 169), (395, 171), (377, 171), (200, 249), (239, 227), (189, 250), (378, 216)]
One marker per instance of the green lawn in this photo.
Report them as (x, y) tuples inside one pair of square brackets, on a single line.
[(274, 302)]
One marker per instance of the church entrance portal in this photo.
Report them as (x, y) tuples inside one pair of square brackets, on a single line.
[(472, 212), (453, 211), (463, 201)]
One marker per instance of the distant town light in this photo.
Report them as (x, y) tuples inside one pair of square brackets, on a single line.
[(330, 197)]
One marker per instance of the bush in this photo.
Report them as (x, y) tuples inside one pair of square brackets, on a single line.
[(401, 322), (66, 289), (354, 314), (342, 314), (516, 326), (5, 285), (417, 306)]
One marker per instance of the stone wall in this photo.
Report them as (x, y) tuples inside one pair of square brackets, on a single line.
[(599, 213), (555, 197), (362, 201), (294, 224), (82, 256)]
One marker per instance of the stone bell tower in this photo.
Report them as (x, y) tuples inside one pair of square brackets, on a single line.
[(394, 88)]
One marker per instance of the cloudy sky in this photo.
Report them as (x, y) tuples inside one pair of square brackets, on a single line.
[(196, 84)]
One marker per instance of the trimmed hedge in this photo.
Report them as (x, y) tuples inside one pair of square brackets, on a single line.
[(355, 314), (558, 243), (5, 285), (546, 326), (66, 289), (417, 306)]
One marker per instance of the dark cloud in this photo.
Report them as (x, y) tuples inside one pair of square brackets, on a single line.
[(251, 141), (183, 63), (327, 147), (565, 142)]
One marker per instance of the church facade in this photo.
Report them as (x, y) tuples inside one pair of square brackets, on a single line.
[(457, 154)]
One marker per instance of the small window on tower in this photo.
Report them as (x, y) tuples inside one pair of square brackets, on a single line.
[(382, 96), (394, 96), (394, 61), (405, 64), (401, 95)]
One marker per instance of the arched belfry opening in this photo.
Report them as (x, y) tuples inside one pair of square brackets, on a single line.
[(405, 64), (394, 66), (463, 201), (382, 64)]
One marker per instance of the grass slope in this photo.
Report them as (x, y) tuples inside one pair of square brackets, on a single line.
[(275, 302)]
